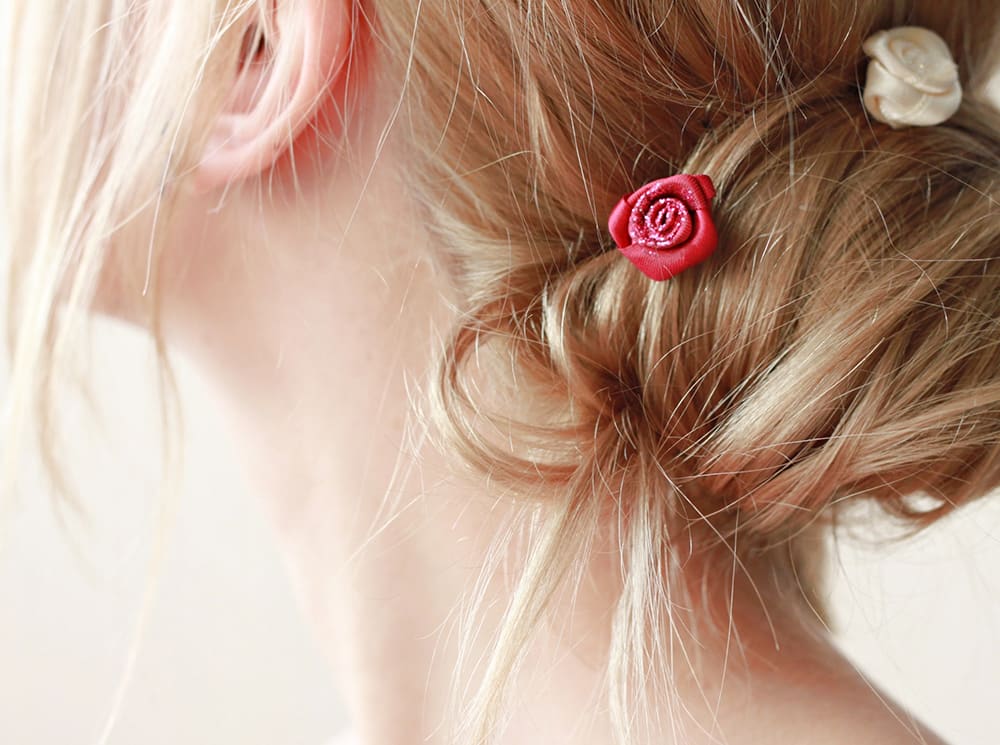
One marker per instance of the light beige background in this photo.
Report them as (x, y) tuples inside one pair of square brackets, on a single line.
[(226, 659)]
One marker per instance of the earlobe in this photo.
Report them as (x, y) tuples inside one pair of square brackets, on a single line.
[(279, 84)]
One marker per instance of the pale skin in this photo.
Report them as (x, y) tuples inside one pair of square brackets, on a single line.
[(310, 310)]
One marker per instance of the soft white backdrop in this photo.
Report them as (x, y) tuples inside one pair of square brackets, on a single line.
[(225, 657)]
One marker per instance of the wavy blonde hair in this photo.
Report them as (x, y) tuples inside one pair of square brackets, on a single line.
[(841, 345)]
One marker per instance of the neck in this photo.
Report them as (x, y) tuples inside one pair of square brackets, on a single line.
[(386, 541)]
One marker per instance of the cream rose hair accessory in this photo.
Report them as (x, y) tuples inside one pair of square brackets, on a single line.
[(912, 79)]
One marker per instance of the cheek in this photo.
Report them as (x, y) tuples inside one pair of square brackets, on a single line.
[(118, 292), (138, 273)]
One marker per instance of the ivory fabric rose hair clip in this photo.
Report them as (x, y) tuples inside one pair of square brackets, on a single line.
[(666, 226), (912, 79)]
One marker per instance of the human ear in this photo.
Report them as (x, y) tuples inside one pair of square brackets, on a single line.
[(289, 64)]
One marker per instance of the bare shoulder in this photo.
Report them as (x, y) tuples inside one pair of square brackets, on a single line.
[(833, 722), (872, 727), (857, 712), (825, 700)]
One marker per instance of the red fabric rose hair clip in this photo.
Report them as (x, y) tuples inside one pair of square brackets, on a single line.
[(666, 226)]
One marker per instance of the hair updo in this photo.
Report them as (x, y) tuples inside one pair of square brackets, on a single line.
[(840, 345)]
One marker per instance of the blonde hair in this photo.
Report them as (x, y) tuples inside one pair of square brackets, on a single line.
[(841, 344)]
